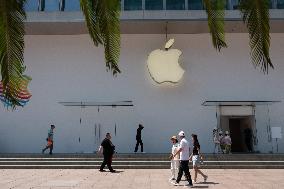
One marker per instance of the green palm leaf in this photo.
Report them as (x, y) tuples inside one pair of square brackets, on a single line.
[(256, 17), (215, 12), (12, 33), (103, 22)]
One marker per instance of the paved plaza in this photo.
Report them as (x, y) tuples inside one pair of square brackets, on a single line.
[(136, 179)]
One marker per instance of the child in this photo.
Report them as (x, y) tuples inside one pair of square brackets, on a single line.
[(228, 142), (174, 160)]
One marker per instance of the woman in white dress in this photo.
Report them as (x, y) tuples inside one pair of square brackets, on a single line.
[(174, 160)]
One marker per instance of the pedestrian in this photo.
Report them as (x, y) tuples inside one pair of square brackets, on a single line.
[(49, 139), (139, 138), (174, 160), (227, 142), (184, 160), (222, 144), (107, 149), (216, 141), (248, 139), (195, 157)]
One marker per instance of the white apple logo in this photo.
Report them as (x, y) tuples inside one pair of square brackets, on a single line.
[(163, 65)]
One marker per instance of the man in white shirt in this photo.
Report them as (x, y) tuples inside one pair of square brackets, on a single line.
[(184, 159)]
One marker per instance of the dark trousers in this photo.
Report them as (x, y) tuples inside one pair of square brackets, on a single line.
[(184, 168), (138, 142), (107, 161), (248, 144), (50, 148)]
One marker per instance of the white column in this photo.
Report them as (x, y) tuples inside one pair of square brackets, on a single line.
[(186, 4), (164, 4), (122, 5)]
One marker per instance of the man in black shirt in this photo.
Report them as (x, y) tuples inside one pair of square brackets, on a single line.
[(108, 150), (139, 138)]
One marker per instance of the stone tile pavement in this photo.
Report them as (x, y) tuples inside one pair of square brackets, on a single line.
[(136, 179)]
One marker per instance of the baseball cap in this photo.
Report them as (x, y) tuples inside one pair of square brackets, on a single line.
[(181, 133)]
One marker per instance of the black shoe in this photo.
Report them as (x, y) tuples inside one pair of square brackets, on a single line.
[(102, 170), (113, 171), (190, 185)]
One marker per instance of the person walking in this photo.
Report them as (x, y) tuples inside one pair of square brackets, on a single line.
[(222, 144), (49, 139), (195, 157), (184, 160), (174, 160), (139, 138), (248, 138), (216, 141), (227, 142), (107, 149)]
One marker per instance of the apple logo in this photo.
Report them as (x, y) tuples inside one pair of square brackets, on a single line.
[(163, 65)]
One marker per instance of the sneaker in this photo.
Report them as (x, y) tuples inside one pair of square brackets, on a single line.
[(175, 183), (205, 178), (102, 170), (194, 181), (113, 171), (190, 185)]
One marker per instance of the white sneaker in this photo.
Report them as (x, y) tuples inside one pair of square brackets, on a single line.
[(171, 179), (175, 183), (205, 178), (194, 181)]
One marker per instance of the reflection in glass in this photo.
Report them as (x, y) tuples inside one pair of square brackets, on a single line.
[(280, 4), (154, 4), (195, 4), (51, 5), (132, 4), (31, 5), (72, 5), (175, 5)]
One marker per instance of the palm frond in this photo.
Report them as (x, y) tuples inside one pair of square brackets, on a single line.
[(256, 17), (103, 22), (216, 11), (12, 32)]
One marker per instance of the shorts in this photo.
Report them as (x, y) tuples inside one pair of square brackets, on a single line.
[(196, 160)]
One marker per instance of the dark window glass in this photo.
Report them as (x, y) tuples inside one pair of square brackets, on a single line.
[(235, 4), (132, 4), (31, 5), (72, 5), (195, 4), (154, 4), (175, 5), (280, 4)]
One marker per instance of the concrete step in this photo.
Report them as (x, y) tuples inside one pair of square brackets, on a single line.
[(137, 161)]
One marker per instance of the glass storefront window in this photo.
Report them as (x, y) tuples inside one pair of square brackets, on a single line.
[(280, 4), (195, 4), (235, 4), (51, 5), (72, 5), (31, 5), (132, 4), (175, 5), (154, 4)]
